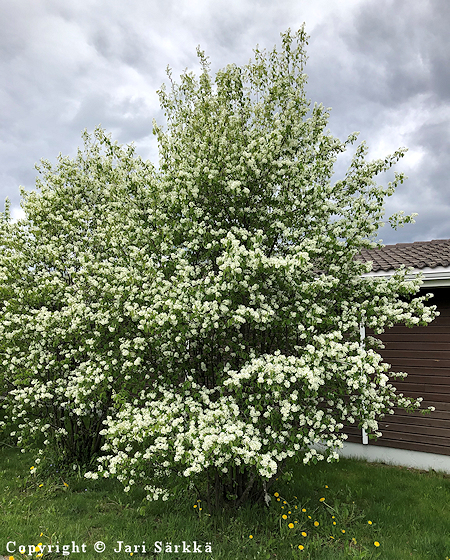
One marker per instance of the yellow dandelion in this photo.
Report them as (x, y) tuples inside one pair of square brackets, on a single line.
[(343, 530), (376, 543), (195, 505), (200, 509), (316, 523), (31, 468), (11, 558), (333, 517), (278, 499), (250, 536), (41, 535), (66, 485), (284, 516), (296, 507), (304, 510), (304, 534), (41, 485), (289, 512), (334, 522), (131, 554), (282, 507), (369, 522), (295, 498), (326, 486), (276, 494), (301, 547), (331, 537), (354, 540), (322, 500), (295, 521), (285, 502), (291, 525)]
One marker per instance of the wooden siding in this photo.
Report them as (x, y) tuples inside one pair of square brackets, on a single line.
[(424, 353)]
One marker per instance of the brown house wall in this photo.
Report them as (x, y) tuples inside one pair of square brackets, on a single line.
[(424, 353)]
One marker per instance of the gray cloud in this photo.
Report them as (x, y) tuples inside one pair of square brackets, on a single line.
[(382, 65), (388, 77)]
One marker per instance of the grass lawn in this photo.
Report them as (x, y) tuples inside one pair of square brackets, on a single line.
[(406, 512)]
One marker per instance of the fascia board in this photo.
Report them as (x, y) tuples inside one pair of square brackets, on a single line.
[(437, 277)]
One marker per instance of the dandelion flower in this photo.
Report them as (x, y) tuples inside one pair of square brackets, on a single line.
[(66, 485), (31, 468), (304, 510), (326, 486), (301, 547), (291, 525), (334, 522), (285, 502), (250, 536), (289, 512), (284, 516), (369, 522), (41, 485), (343, 530), (354, 540), (376, 543), (331, 537), (322, 500), (309, 517), (303, 534), (316, 523), (276, 494), (195, 505)]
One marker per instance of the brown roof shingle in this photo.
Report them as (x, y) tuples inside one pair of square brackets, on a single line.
[(419, 254)]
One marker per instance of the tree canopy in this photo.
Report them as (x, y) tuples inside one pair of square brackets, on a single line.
[(199, 320)]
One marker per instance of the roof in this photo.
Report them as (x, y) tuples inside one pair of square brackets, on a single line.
[(420, 254)]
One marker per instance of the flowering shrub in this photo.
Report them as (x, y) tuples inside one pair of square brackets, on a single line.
[(203, 318), (69, 287)]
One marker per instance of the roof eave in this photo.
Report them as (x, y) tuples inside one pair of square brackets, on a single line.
[(438, 276)]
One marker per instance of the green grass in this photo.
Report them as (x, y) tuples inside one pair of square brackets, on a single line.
[(409, 511)]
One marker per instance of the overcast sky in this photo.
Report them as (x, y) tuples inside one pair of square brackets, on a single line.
[(382, 65)]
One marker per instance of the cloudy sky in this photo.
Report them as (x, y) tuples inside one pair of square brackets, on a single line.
[(382, 65)]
